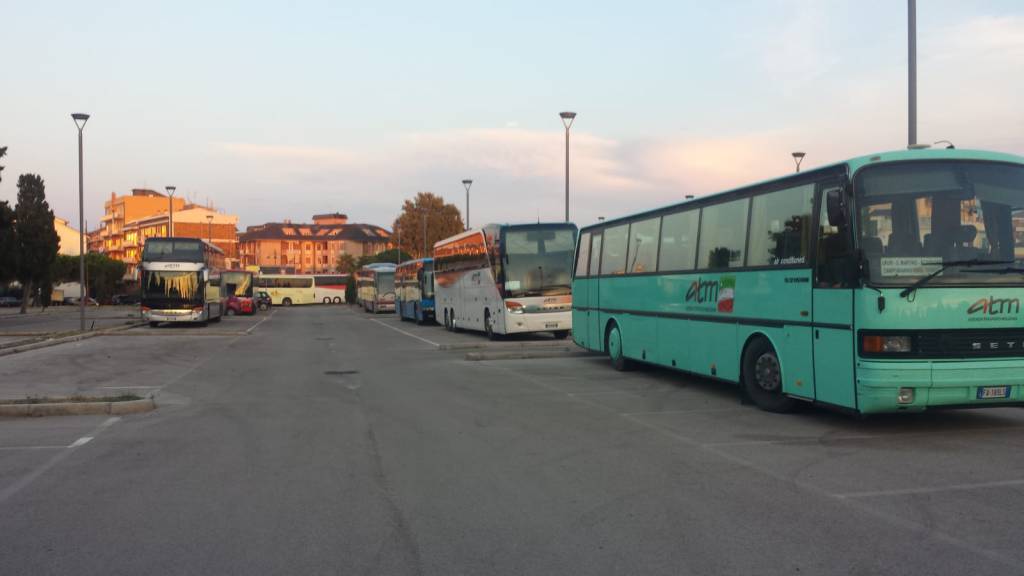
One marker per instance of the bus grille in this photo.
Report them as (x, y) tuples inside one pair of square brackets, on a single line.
[(991, 343)]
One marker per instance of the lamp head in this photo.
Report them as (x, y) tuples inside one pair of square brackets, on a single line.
[(567, 118), (799, 155), (467, 183), (170, 190), (80, 119)]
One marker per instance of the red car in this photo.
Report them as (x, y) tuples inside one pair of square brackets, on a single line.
[(239, 305)]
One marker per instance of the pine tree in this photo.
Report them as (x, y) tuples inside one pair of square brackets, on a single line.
[(7, 239), (37, 240)]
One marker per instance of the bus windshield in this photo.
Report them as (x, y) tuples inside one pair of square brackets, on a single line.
[(240, 281), (165, 287), (172, 250), (538, 262), (914, 217)]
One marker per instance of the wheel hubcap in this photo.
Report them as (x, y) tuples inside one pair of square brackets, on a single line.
[(767, 373)]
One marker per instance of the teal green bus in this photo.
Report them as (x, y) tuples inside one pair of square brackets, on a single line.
[(890, 282)]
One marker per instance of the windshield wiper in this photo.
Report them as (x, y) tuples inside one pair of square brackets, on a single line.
[(945, 265), (1007, 270)]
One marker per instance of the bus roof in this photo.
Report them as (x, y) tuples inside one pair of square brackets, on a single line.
[(851, 165), (480, 230)]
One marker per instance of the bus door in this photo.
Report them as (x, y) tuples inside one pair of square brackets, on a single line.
[(595, 339), (834, 281)]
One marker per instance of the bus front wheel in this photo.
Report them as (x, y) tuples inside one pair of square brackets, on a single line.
[(561, 334), (762, 378), (489, 326), (154, 324), (286, 302), (615, 352)]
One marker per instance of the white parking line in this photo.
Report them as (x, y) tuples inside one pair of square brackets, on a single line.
[(80, 442), (32, 448), (431, 342), (25, 481), (931, 490), (253, 327)]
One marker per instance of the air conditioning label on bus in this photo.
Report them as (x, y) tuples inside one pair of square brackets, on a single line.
[(716, 295), (910, 266)]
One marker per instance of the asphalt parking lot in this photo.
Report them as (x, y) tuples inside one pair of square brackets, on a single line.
[(325, 439)]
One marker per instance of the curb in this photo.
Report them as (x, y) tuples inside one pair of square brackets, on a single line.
[(64, 340), (78, 408), (525, 355)]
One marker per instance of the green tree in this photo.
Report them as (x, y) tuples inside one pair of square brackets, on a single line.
[(346, 264), (8, 241), (391, 256), (442, 220), (37, 240), (351, 289), (105, 275)]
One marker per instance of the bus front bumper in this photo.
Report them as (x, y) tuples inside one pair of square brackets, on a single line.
[(937, 383), (183, 315), (538, 322)]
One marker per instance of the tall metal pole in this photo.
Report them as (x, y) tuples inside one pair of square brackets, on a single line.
[(567, 119), (209, 229), (467, 183), (170, 210), (80, 120), (424, 213), (912, 72)]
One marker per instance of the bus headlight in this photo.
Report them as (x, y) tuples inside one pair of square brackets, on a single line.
[(887, 344), (514, 307)]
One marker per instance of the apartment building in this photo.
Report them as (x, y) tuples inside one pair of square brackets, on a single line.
[(310, 248)]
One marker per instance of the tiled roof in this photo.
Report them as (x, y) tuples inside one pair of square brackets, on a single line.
[(281, 231)]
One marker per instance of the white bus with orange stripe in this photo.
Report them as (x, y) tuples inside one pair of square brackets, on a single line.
[(506, 279)]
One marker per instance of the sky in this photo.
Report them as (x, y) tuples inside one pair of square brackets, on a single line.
[(274, 110)]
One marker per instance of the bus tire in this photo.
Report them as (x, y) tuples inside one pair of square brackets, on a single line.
[(762, 377), (327, 299), (561, 334), (154, 324), (231, 312), (337, 300), (489, 328), (420, 317), (286, 302), (613, 344), (217, 318), (447, 320)]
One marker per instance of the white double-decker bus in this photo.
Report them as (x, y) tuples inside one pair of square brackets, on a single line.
[(506, 279), (180, 281)]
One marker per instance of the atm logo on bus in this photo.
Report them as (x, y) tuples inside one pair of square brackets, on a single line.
[(992, 306), (712, 295)]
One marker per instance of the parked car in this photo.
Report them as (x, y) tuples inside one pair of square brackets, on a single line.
[(125, 299), (73, 301), (9, 301), (239, 305), (263, 301)]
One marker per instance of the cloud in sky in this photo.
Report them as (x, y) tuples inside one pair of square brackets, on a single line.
[(663, 115)]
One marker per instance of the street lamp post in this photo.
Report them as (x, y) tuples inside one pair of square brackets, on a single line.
[(798, 157), (467, 183), (170, 210), (567, 119), (911, 72), (80, 120), (423, 214)]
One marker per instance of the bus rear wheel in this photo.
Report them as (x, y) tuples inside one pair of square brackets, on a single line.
[(613, 344), (561, 334), (337, 300), (286, 302), (154, 324), (762, 378), (327, 299)]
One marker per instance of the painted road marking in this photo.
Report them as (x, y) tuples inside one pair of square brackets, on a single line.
[(431, 342), (32, 447), (80, 442), (253, 327), (931, 490)]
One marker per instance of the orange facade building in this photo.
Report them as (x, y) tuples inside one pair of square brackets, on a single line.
[(310, 248)]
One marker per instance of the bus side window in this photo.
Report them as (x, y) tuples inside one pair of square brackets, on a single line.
[(837, 264)]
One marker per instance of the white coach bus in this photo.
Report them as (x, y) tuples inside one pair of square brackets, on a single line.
[(506, 279)]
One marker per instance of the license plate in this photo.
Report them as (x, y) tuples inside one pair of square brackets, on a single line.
[(551, 325), (988, 392)]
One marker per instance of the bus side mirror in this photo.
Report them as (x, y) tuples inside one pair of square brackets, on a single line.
[(836, 207)]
